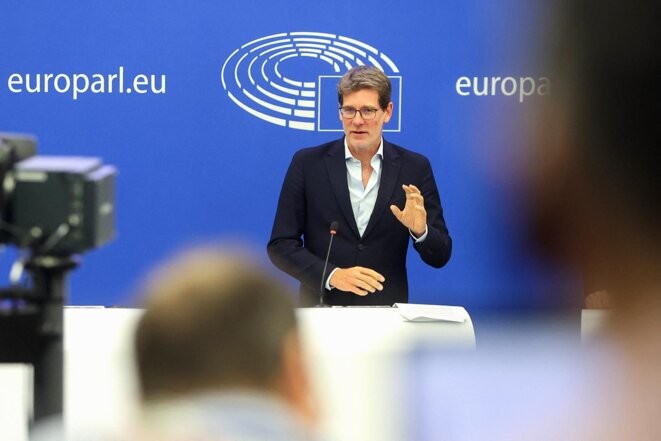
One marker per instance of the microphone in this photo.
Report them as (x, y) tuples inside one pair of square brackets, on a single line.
[(333, 231)]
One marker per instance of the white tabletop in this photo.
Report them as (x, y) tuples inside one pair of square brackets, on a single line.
[(354, 354)]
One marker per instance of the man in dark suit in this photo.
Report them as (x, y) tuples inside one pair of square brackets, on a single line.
[(351, 181)]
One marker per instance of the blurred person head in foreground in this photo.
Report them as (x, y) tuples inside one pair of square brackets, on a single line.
[(596, 206), (597, 195), (596, 188), (218, 352)]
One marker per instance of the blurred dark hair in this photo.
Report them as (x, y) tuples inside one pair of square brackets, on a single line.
[(607, 72), (212, 320)]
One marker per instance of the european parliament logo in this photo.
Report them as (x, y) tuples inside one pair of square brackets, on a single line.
[(290, 79)]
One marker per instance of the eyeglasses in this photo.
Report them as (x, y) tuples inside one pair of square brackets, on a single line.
[(350, 113)]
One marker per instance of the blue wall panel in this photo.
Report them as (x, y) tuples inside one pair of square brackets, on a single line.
[(194, 165)]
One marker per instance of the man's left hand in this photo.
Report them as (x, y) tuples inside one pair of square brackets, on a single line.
[(414, 215)]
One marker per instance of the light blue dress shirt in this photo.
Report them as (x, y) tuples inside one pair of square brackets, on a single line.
[(363, 198)]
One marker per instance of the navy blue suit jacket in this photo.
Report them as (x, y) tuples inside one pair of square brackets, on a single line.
[(315, 193)]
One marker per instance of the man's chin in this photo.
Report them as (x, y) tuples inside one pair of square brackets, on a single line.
[(361, 144)]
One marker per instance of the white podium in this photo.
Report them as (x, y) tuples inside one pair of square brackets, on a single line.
[(358, 361)]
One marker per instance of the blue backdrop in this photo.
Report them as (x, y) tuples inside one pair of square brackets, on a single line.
[(202, 150)]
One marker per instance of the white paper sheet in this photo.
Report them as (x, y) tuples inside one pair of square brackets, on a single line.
[(431, 313)]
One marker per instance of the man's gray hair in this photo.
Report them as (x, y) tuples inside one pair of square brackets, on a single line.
[(365, 77)]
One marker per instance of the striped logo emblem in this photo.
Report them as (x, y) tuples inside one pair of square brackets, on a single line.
[(289, 79)]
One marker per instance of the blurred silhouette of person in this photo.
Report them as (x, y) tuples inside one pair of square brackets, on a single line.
[(595, 176), (597, 194), (218, 354), (595, 206)]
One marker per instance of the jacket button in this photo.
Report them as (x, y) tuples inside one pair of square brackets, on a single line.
[(361, 247)]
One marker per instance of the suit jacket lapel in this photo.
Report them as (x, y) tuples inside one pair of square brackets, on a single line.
[(337, 174), (389, 173)]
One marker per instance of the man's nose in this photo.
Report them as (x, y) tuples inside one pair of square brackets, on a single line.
[(355, 118)]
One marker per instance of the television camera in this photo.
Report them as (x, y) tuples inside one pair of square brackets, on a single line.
[(52, 208)]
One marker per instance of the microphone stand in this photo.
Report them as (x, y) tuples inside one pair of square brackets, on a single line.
[(322, 289)]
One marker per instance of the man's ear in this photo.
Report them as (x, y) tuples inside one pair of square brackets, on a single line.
[(294, 384), (388, 111)]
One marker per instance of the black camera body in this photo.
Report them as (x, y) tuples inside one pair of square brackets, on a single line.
[(54, 205)]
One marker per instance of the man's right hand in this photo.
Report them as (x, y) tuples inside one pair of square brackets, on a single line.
[(358, 280)]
